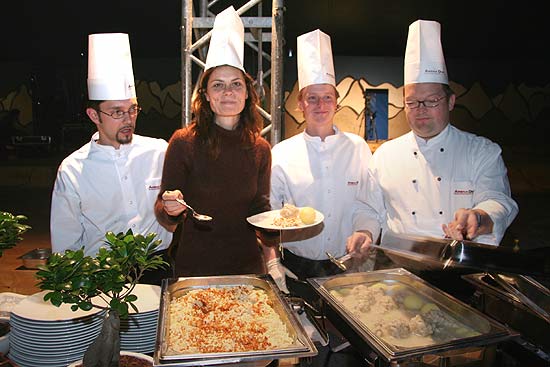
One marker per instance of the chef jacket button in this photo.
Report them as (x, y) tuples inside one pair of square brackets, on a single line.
[(133, 226), (131, 202), (413, 213), (440, 212), (415, 153), (414, 181), (439, 179), (442, 150)]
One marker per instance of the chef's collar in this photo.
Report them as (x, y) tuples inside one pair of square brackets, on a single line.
[(312, 138), (109, 149), (436, 140)]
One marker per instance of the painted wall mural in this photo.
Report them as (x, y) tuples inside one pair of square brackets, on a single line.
[(515, 115)]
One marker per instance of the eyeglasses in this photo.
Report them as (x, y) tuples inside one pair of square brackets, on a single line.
[(119, 114), (428, 103)]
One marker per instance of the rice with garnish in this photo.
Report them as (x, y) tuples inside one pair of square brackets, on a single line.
[(225, 319)]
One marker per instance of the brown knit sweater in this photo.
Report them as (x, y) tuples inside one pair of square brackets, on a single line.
[(229, 188)]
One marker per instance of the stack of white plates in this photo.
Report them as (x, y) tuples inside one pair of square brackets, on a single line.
[(138, 331), (49, 336)]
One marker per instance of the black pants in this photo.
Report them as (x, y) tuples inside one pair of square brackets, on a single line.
[(155, 276)]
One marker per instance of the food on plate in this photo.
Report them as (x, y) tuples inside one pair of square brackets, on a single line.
[(224, 319), (289, 216), (307, 215), (400, 316), (289, 211)]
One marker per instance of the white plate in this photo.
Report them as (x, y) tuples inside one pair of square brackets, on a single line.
[(265, 220), (148, 298), (35, 308)]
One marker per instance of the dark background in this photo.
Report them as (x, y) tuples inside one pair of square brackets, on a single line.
[(48, 39), (56, 31)]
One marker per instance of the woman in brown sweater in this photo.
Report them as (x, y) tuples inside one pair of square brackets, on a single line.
[(222, 166)]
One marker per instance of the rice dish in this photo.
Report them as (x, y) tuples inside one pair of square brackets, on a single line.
[(224, 319)]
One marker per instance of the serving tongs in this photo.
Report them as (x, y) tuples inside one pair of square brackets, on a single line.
[(339, 262), (513, 284)]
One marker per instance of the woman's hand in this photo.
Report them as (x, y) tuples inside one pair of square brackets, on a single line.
[(171, 206)]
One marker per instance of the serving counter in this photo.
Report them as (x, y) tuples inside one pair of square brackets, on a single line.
[(345, 342)]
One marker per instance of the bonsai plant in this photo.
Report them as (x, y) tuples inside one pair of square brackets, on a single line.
[(11, 230), (111, 276)]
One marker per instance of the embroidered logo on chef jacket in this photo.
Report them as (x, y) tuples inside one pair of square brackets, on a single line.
[(463, 192), (153, 187), (353, 183)]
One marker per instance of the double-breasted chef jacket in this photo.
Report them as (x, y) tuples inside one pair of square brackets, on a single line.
[(414, 186)]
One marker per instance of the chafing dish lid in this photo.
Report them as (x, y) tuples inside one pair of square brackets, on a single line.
[(526, 290), (447, 253)]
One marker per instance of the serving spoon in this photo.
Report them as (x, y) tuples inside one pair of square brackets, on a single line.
[(197, 216)]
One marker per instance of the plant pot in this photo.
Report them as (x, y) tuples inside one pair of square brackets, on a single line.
[(122, 353)]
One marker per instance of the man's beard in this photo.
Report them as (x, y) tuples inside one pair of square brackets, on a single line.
[(124, 138)]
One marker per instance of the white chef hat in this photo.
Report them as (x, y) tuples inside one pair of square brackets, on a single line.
[(227, 42), (110, 73), (424, 61), (315, 65)]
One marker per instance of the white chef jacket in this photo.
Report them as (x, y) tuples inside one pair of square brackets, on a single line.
[(324, 175), (415, 186), (99, 188)]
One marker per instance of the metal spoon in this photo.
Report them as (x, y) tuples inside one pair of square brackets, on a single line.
[(197, 216), (339, 262)]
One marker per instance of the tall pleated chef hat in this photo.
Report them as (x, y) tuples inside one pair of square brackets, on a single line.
[(424, 61), (110, 73), (227, 42), (315, 65)]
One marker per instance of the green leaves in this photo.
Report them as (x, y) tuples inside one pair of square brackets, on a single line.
[(11, 230), (111, 276)]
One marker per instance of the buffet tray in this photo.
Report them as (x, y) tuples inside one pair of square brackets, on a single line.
[(487, 331), (302, 346), (495, 300)]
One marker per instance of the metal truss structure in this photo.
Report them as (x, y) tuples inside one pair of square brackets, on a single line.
[(195, 34)]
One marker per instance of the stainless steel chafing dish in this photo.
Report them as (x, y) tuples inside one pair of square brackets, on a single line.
[(520, 301), (366, 340), (172, 288)]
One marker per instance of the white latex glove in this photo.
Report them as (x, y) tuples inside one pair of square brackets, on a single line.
[(279, 272)]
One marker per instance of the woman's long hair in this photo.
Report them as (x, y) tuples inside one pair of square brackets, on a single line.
[(250, 122)]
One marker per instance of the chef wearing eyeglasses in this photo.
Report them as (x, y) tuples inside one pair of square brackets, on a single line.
[(111, 183), (436, 180)]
